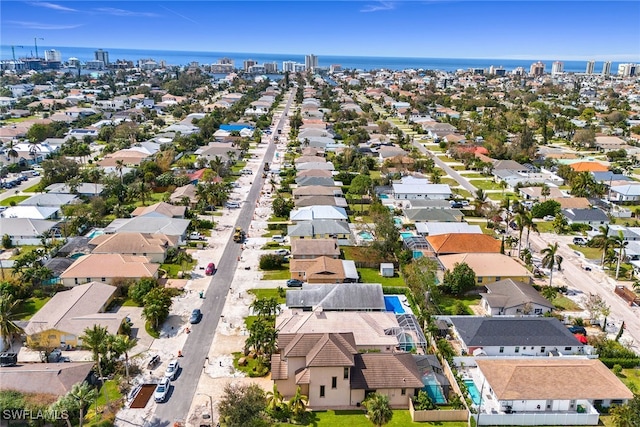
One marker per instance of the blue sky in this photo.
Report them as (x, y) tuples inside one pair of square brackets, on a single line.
[(580, 29)]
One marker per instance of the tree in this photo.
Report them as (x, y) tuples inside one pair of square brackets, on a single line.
[(141, 288), (265, 307), (628, 414), (595, 306), (480, 202), (157, 304), (545, 191), (460, 280), (584, 137), (298, 404), (549, 207), (378, 409), (360, 185), (84, 395), (242, 405), (274, 399), (549, 292), (387, 236), (8, 317), (619, 243), (95, 339), (123, 344), (282, 207), (550, 259)]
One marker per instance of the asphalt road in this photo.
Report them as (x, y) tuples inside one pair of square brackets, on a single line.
[(200, 339), (449, 170), (23, 186)]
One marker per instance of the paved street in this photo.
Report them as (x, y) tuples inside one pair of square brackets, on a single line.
[(17, 190), (199, 340), (463, 182)]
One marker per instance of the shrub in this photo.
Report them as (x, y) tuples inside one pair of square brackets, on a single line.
[(617, 369), (422, 402), (271, 262), (550, 207), (6, 242), (140, 289)]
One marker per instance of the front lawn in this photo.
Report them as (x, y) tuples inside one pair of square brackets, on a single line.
[(13, 199), (631, 378), (565, 304), (253, 368), (485, 184), (263, 293), (447, 303), (173, 269), (27, 308), (283, 274), (357, 418), (372, 275), (33, 189), (94, 418), (589, 253)]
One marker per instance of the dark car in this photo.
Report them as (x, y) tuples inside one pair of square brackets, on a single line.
[(196, 315), (294, 283), (578, 330), (456, 205), (211, 268)]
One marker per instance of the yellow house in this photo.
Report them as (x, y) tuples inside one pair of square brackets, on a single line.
[(489, 267), (65, 317)]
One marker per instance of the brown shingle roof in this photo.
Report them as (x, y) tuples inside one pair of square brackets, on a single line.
[(317, 268), (111, 265), (332, 350), (552, 379), (279, 369), (58, 378), (317, 247), (132, 243), (384, 370), (454, 243), (163, 208)]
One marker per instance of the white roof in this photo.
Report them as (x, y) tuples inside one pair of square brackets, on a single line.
[(25, 227), (31, 212), (437, 228), (421, 189), (627, 190), (309, 213)]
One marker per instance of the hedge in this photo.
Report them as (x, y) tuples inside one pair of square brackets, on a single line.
[(626, 363)]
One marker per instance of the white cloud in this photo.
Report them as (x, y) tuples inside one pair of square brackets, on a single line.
[(122, 12), (383, 5), (43, 25), (53, 6)]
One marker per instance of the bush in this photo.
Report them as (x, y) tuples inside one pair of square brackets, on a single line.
[(271, 262), (550, 207), (140, 289), (422, 402), (6, 242)]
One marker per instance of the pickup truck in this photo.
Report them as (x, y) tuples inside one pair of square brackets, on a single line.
[(196, 236)]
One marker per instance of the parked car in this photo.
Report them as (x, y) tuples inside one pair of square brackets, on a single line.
[(232, 205), (294, 283), (153, 361), (211, 268), (548, 217), (578, 330), (464, 202), (278, 238), (456, 205), (246, 172), (172, 370), (579, 240), (8, 359), (196, 315), (282, 252), (162, 389), (196, 236)]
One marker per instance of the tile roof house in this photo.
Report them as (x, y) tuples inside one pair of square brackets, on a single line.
[(314, 248), (588, 167), (63, 319), (153, 246), (59, 378), (512, 298), (572, 202), (455, 243), (107, 267), (515, 336), (489, 267), (535, 193), (338, 297), (166, 209), (549, 391), (305, 201), (323, 270), (186, 191), (317, 190)]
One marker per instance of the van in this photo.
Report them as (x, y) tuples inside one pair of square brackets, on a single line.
[(579, 241)]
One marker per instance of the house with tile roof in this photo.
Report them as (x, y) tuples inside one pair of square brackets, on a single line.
[(63, 319), (323, 270), (455, 243), (314, 248), (546, 391), (153, 246), (489, 267), (152, 223), (106, 268), (58, 377), (512, 298), (163, 208), (588, 167)]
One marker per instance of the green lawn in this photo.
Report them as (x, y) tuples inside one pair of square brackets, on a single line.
[(114, 395), (447, 159), (252, 368), (356, 418), (452, 182), (472, 175), (173, 269), (446, 303), (25, 249), (32, 189), (631, 378), (262, 293), (589, 253), (544, 227), (566, 304), (27, 308), (14, 199), (372, 275), (485, 184), (283, 274)]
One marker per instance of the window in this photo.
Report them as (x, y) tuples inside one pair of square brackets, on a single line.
[(498, 278), (403, 392), (537, 311), (567, 349), (479, 279), (346, 374), (104, 279), (517, 349), (334, 382), (542, 349), (321, 391), (501, 349)]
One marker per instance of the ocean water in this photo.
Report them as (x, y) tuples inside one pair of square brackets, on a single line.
[(347, 62)]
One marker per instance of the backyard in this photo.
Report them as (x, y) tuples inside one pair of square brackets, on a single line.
[(30, 306), (372, 275), (355, 418)]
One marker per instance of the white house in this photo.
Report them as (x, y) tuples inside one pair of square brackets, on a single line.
[(421, 191)]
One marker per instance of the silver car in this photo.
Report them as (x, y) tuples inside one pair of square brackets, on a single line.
[(162, 389), (172, 370)]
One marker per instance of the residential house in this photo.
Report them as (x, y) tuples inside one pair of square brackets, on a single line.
[(307, 180), (317, 190), (455, 243), (535, 193), (86, 189), (323, 270), (572, 202), (310, 213), (591, 166), (305, 201), (152, 223), (186, 191), (549, 391), (49, 199), (162, 208), (432, 215), (510, 166), (26, 231), (59, 378), (624, 193), (107, 268), (31, 212), (64, 318), (311, 249), (315, 165), (437, 228), (320, 229), (338, 297), (512, 298), (421, 191), (489, 267), (153, 246), (594, 217), (503, 336)]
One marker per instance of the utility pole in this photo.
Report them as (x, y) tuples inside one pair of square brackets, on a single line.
[(35, 43)]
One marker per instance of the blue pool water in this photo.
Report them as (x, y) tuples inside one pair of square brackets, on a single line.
[(397, 221), (406, 235), (383, 196), (433, 389), (473, 391), (365, 235), (95, 233), (417, 254), (392, 303)]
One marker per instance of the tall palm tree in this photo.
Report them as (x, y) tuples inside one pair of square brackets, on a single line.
[(520, 224), (378, 409), (95, 339), (119, 167), (123, 344), (604, 239), (550, 259), (529, 224), (8, 317), (84, 395), (12, 154), (619, 243), (298, 403)]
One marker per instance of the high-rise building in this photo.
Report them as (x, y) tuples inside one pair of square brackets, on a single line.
[(270, 67), (310, 62), (557, 68), (226, 61), (606, 68), (537, 69), (627, 70), (101, 55), (591, 65), (52, 55), (248, 63), (288, 66), (335, 68), (518, 71)]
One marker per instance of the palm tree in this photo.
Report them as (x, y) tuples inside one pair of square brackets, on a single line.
[(84, 395), (12, 153), (95, 339), (274, 399), (123, 344), (8, 318), (378, 409), (481, 201), (529, 224), (619, 243), (624, 415), (119, 167), (550, 259), (520, 224), (545, 191), (298, 404), (604, 239)]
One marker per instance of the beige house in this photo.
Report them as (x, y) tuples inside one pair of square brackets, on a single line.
[(489, 267), (318, 270), (314, 248), (153, 246), (107, 267), (63, 319), (162, 208)]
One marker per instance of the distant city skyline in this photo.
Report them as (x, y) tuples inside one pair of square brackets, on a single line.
[(538, 30)]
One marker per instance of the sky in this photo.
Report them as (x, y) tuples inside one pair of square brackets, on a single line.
[(569, 30)]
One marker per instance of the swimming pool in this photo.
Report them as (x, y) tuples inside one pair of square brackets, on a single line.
[(397, 221), (406, 235), (393, 303), (365, 235), (433, 388), (383, 196), (473, 391), (95, 233)]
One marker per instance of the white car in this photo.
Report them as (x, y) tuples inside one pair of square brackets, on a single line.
[(162, 389), (282, 252), (548, 217), (172, 370), (246, 172)]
